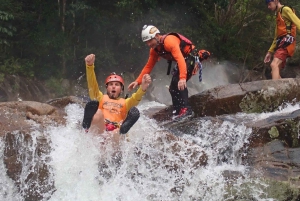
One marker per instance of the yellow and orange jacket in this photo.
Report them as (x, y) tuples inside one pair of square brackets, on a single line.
[(285, 17), (113, 110), (171, 44)]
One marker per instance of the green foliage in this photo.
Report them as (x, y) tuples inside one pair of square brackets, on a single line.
[(55, 86), (13, 66), (4, 16), (1, 78), (6, 29), (49, 43)]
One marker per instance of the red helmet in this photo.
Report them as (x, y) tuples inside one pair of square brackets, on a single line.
[(113, 77)]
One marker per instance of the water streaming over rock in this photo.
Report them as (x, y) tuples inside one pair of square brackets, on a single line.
[(149, 165)]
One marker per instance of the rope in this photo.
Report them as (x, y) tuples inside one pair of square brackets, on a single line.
[(198, 62)]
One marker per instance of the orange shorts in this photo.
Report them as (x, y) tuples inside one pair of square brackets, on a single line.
[(281, 54)]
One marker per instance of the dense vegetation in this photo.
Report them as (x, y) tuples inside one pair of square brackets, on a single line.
[(49, 39)]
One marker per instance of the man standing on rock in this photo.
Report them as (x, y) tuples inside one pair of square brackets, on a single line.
[(173, 47), (284, 42)]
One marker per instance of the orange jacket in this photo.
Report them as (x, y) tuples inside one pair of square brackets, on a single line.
[(113, 110), (285, 17), (171, 44), (283, 31)]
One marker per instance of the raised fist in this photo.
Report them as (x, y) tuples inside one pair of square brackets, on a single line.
[(90, 59)]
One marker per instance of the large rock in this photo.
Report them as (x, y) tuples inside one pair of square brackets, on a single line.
[(249, 97), (15, 115), (16, 124)]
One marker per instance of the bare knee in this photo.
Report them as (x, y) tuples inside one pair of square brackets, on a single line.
[(275, 66)]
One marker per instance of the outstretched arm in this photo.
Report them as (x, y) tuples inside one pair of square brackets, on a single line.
[(137, 96), (93, 88), (153, 58)]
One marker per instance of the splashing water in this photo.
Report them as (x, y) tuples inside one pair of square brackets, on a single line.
[(149, 164)]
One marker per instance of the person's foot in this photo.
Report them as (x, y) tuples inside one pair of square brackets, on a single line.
[(175, 111), (184, 113), (132, 116), (89, 111)]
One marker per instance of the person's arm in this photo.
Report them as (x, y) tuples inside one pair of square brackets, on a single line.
[(172, 44), (273, 45), (153, 58), (134, 99), (93, 88), (287, 13), (137, 96)]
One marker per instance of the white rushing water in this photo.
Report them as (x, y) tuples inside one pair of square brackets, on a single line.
[(150, 164)]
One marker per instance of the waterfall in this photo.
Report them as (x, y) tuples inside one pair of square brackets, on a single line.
[(146, 165)]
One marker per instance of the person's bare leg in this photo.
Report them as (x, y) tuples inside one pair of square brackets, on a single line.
[(276, 66), (115, 137), (98, 125)]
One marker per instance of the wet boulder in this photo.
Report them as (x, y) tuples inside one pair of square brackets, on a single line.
[(250, 97), (18, 119)]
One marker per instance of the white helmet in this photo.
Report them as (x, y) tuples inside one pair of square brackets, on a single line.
[(149, 32)]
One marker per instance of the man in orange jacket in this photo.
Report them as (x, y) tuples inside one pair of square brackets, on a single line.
[(109, 112), (173, 47), (284, 42)]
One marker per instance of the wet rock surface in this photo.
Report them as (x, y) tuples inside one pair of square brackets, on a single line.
[(273, 147)]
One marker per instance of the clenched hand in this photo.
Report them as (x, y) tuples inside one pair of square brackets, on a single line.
[(90, 59), (146, 81)]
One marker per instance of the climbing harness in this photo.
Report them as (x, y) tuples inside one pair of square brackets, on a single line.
[(110, 126)]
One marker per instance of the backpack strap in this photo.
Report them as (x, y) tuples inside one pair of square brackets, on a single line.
[(169, 67), (288, 28)]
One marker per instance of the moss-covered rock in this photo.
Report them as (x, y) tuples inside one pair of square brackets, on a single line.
[(273, 132)]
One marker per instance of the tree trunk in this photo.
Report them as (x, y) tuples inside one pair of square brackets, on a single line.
[(58, 2), (64, 70)]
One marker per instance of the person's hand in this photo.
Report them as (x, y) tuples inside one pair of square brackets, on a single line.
[(132, 85), (182, 84), (268, 57), (90, 59), (145, 82)]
